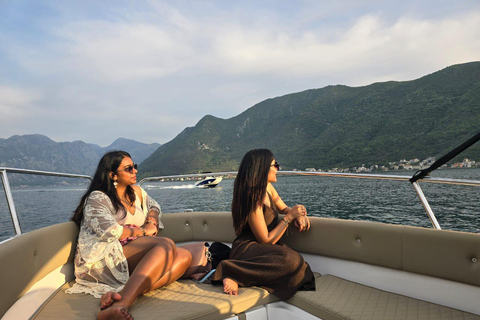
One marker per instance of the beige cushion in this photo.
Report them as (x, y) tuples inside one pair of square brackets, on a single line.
[(361, 241), (30, 257), (450, 255), (336, 298), (182, 299), (198, 226)]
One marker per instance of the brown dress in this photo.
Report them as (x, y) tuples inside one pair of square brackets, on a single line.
[(275, 267)]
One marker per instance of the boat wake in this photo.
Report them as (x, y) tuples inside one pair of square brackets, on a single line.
[(183, 186)]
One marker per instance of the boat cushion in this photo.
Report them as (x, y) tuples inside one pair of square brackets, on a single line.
[(336, 298), (183, 299), (450, 255), (198, 226), (32, 256)]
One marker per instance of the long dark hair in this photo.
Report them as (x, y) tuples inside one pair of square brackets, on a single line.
[(102, 182), (250, 185)]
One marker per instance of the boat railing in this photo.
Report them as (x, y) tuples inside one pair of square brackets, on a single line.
[(323, 174), (416, 185), (8, 190)]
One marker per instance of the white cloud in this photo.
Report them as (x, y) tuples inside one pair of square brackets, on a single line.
[(365, 45), (156, 67), (166, 42), (123, 52)]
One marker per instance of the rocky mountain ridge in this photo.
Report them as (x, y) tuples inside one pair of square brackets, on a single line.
[(39, 152)]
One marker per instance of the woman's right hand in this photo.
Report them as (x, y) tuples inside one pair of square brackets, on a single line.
[(302, 223), (296, 211)]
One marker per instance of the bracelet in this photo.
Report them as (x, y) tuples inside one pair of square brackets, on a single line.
[(285, 221), (152, 222)]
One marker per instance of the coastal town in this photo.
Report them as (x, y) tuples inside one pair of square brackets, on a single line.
[(401, 165)]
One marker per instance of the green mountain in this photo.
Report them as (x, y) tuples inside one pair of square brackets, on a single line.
[(337, 126), (139, 151), (39, 152)]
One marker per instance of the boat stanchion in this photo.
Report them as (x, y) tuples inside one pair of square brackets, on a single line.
[(11, 204), (426, 205)]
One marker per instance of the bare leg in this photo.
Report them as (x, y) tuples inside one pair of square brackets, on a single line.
[(181, 262), (149, 259), (230, 286)]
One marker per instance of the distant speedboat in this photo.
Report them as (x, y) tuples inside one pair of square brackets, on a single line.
[(208, 182)]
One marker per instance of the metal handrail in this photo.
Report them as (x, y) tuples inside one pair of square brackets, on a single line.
[(416, 185), (45, 173), (8, 190), (325, 174)]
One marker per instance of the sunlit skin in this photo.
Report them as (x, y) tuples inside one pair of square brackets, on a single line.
[(124, 179), (153, 261), (256, 221)]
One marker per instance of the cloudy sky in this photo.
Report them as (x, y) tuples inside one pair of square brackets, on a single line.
[(144, 70)]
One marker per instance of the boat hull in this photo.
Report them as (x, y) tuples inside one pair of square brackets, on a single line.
[(208, 182)]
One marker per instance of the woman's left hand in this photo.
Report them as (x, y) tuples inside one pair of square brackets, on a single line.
[(302, 223), (150, 229)]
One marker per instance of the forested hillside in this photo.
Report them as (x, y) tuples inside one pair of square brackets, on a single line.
[(337, 126)]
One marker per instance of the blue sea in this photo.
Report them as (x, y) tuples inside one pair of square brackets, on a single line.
[(456, 207)]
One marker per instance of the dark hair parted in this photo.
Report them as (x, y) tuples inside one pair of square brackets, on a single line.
[(250, 185), (102, 182)]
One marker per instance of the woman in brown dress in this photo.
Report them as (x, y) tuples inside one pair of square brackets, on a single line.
[(258, 258)]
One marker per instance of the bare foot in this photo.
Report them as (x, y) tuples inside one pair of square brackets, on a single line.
[(108, 298), (114, 313), (230, 286)]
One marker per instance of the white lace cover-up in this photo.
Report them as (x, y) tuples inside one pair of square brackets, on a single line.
[(100, 265)]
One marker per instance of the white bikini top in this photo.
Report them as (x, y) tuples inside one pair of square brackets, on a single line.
[(138, 218)]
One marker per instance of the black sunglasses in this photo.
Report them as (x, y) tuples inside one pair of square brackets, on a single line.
[(276, 165), (129, 169)]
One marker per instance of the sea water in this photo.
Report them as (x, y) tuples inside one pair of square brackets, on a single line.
[(456, 207)]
